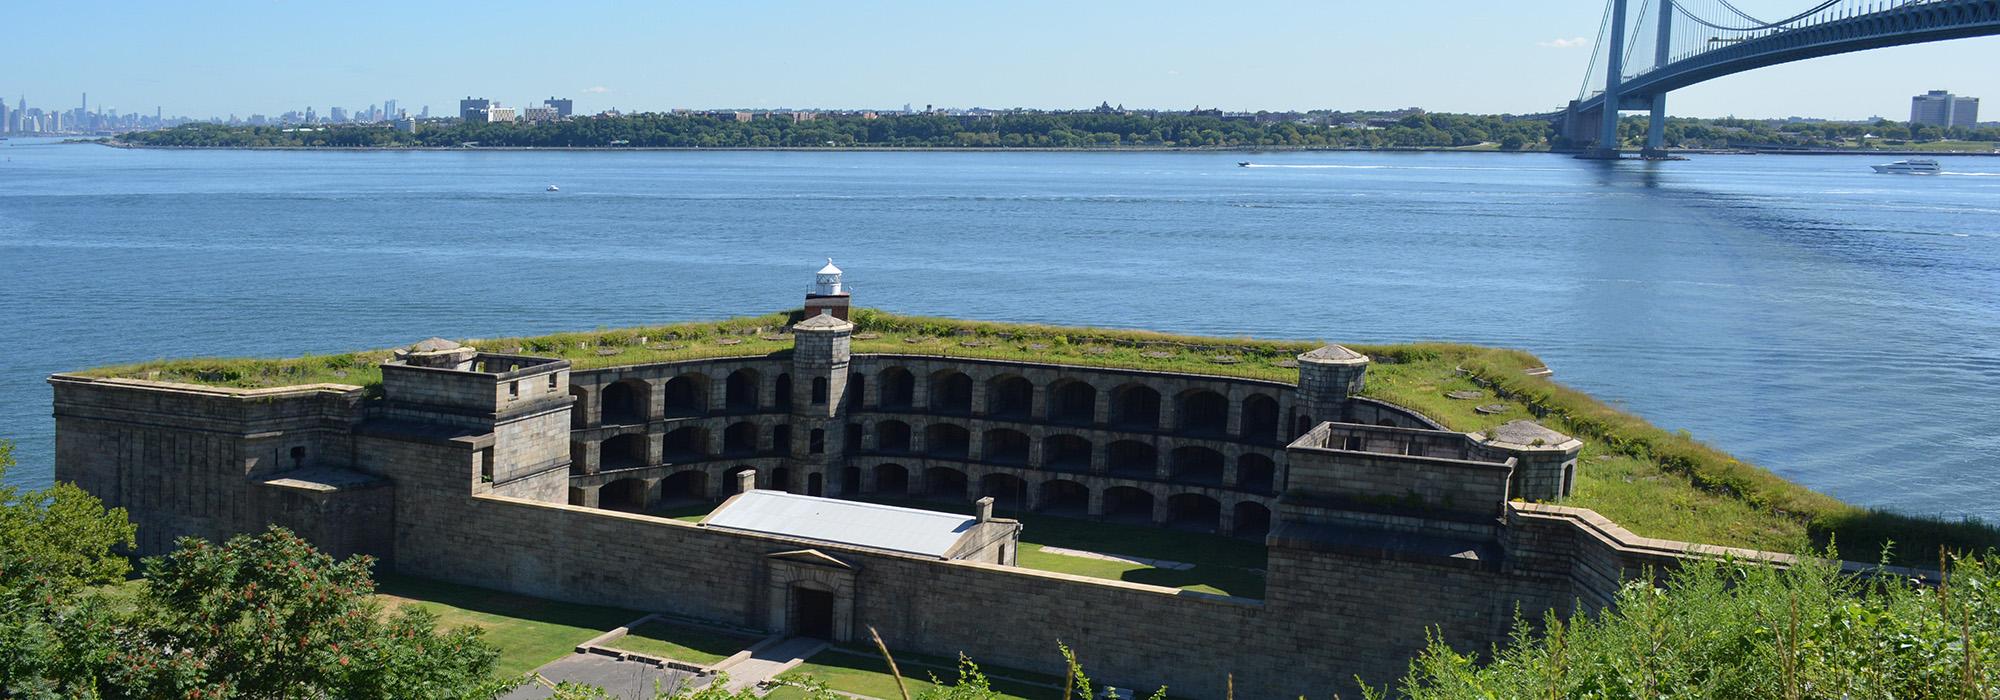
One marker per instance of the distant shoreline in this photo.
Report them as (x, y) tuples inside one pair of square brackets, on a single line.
[(1021, 149)]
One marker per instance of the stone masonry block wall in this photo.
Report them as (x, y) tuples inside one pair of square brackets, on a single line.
[(181, 459), (1478, 488)]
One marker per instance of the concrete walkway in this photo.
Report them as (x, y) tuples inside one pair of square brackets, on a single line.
[(766, 663), (626, 680)]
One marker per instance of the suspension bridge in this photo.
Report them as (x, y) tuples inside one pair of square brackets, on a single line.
[(1669, 44)]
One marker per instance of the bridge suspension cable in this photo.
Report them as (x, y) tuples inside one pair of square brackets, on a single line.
[(1760, 25)]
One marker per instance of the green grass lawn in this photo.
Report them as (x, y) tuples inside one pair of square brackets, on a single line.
[(681, 642), (863, 672), (1225, 565), (528, 631)]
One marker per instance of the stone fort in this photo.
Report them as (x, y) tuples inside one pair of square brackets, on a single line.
[(517, 473)]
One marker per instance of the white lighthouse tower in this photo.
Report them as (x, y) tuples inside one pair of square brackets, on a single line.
[(828, 296)]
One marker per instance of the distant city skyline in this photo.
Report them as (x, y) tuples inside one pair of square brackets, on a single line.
[(246, 58)]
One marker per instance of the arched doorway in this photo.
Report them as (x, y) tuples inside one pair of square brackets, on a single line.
[(812, 612)]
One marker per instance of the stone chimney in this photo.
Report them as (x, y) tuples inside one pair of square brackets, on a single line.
[(746, 481), (984, 507)]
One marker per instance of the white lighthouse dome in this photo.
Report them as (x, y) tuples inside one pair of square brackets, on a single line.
[(827, 281)]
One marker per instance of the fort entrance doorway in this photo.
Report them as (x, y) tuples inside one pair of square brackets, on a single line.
[(812, 612)]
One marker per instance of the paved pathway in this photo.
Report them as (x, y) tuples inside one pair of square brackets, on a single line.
[(766, 663), (625, 680)]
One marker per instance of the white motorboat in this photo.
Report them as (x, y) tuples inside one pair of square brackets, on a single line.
[(553, 188), (1913, 166)]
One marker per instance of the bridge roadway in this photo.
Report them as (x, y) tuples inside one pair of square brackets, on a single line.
[(1909, 23)]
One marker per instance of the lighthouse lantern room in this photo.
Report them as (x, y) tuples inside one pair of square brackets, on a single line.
[(828, 295)]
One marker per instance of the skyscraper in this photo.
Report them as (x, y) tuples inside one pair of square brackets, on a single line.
[(388, 109), (1943, 109), (6, 124), (474, 110)]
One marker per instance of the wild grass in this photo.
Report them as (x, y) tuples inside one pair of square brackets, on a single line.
[(1653, 482), (1724, 630)]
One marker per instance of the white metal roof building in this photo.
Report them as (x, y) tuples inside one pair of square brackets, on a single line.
[(871, 525)]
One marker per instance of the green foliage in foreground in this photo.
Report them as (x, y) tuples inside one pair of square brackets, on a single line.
[(262, 617), (1727, 630)]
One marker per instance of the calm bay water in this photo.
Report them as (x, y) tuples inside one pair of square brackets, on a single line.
[(1839, 327)]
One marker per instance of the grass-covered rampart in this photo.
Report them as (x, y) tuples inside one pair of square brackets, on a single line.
[(1654, 482)]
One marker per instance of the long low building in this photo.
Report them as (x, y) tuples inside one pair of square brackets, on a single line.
[(516, 472)]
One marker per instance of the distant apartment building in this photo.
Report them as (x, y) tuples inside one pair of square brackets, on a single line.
[(497, 113), (562, 107), (540, 114), (1943, 109), (474, 110)]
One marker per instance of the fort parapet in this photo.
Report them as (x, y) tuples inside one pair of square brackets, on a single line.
[(519, 473)]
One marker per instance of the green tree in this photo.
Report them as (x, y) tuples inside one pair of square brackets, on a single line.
[(54, 545), (272, 617)]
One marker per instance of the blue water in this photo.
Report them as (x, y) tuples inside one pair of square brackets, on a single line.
[(1837, 326)]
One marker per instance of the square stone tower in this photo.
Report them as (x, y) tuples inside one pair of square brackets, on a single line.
[(512, 409), (820, 354)]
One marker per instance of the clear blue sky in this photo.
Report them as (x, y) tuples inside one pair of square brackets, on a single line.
[(217, 58)]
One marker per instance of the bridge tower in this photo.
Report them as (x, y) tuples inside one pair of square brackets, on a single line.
[(1614, 81), (1656, 125)]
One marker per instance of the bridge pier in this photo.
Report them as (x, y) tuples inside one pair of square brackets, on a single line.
[(1656, 129)]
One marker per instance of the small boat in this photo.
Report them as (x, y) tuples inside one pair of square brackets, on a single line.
[(1913, 166), (553, 188), (1243, 164)]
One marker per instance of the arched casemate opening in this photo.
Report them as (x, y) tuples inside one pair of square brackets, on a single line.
[(944, 483), (947, 441), (1194, 511), (1260, 419), (740, 390), (1196, 465), (579, 418), (624, 402), (685, 445), (622, 452), (686, 395), (892, 436), (1009, 492), (1253, 520), (689, 485), (1066, 453), (1072, 402), (1127, 504), (1064, 497), (1135, 407), (898, 389), (892, 480), (1256, 473), (628, 495), (783, 392), (951, 393), (1004, 446), (739, 438), (1202, 412), (1133, 459), (1009, 396)]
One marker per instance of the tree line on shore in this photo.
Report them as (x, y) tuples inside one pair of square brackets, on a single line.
[(1067, 130), (269, 616), (1027, 130)]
